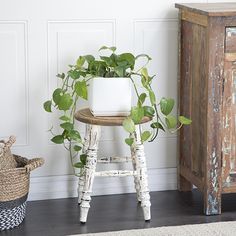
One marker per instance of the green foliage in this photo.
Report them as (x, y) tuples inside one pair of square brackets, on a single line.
[(77, 148), (67, 126), (129, 125), (129, 141), (65, 118), (48, 106), (185, 121), (58, 139), (145, 136), (167, 105), (81, 89), (149, 111), (171, 121), (137, 113), (73, 86)]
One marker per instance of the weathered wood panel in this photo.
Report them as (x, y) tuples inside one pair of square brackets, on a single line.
[(210, 9), (199, 98), (195, 18), (185, 85), (212, 192), (229, 110), (193, 99), (208, 80)]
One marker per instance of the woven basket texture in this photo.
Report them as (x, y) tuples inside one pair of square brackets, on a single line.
[(7, 160), (14, 182)]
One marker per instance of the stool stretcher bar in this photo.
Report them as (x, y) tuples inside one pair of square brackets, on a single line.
[(114, 159), (116, 173)]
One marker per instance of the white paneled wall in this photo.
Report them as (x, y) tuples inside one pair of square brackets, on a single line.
[(39, 38)]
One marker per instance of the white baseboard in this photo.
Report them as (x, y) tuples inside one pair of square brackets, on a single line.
[(66, 186)]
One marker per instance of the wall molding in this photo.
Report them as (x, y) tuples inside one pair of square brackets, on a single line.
[(53, 187), (24, 23)]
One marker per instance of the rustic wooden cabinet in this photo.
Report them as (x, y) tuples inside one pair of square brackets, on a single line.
[(207, 94)]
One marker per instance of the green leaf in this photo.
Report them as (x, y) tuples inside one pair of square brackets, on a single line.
[(78, 165), (57, 94), (58, 139), (48, 106), (113, 49), (120, 71), (77, 148), (61, 76), (74, 74), (167, 105), (80, 62), (65, 102), (171, 121), (89, 58), (129, 141), (83, 158), (185, 121), (137, 113), (64, 118), (107, 60), (115, 62), (142, 98), (109, 48), (145, 78), (127, 57), (144, 73), (67, 126), (157, 125), (152, 97), (97, 68), (81, 89), (145, 136), (148, 111), (75, 135), (129, 125)]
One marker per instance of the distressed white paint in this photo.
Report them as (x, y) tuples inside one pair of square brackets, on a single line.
[(115, 173), (37, 42), (84, 150), (136, 180), (141, 169), (89, 171), (113, 159)]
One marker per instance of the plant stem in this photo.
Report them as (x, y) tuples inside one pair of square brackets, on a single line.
[(135, 87), (71, 159)]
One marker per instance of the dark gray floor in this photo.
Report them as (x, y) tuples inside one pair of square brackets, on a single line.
[(118, 212)]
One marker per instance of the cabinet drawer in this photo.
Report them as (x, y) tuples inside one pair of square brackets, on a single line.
[(230, 39)]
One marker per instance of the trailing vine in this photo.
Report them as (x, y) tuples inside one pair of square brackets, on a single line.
[(74, 86)]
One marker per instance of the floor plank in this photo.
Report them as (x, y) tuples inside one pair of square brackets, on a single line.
[(118, 212)]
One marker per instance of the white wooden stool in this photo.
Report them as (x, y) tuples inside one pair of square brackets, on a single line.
[(92, 135)]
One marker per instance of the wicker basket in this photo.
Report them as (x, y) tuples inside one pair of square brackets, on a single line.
[(14, 188), (7, 160)]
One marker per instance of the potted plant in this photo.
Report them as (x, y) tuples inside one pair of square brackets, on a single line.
[(97, 79)]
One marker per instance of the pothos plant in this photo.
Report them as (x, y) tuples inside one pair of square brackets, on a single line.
[(74, 86)]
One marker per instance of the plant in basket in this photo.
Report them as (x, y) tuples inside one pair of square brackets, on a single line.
[(106, 83)]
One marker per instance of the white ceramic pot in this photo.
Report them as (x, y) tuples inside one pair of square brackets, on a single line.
[(109, 96)]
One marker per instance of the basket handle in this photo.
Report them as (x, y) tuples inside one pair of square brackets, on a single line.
[(33, 164), (7, 144)]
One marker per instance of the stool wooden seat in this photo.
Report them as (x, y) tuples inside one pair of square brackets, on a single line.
[(90, 148), (85, 116)]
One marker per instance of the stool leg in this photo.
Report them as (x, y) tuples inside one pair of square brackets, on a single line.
[(142, 174), (89, 170), (136, 180), (84, 151)]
